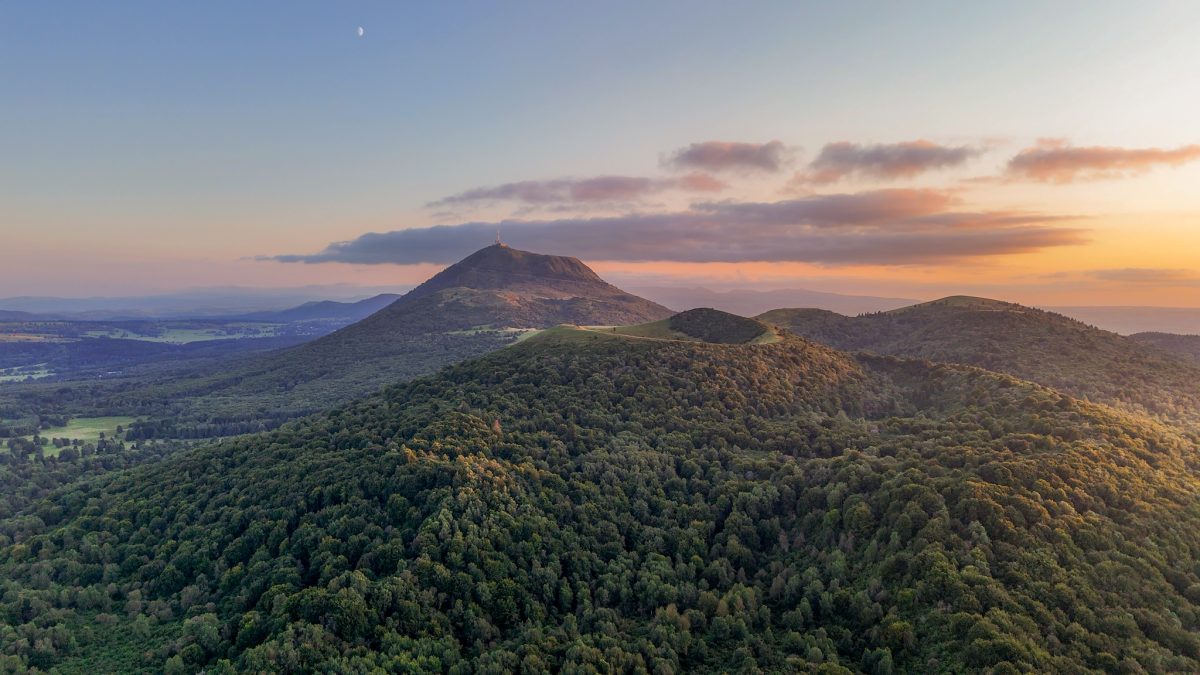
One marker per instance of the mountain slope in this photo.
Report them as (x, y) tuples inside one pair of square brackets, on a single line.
[(535, 290), (589, 501), (442, 321), (503, 268), (476, 303), (1028, 343)]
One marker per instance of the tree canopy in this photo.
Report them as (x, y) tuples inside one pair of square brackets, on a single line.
[(585, 502)]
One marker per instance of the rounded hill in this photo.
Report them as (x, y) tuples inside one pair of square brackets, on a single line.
[(1025, 342), (713, 325)]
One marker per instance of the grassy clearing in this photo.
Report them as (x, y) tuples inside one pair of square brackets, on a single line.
[(769, 337), (22, 373), (84, 429), (658, 330), (655, 330)]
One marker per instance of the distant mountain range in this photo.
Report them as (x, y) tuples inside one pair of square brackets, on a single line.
[(66, 349), (324, 310), (191, 304), (331, 303)]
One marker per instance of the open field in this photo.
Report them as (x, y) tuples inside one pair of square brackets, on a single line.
[(22, 373), (184, 335), (30, 337), (85, 429)]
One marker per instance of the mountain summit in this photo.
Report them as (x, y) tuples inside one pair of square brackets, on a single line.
[(502, 287), (500, 267)]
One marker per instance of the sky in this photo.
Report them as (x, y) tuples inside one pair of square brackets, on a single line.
[(1045, 153)]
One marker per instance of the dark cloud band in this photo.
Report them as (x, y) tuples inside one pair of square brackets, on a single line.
[(719, 156), (887, 227), (883, 161)]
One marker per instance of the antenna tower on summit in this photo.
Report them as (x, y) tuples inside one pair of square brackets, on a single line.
[(498, 242)]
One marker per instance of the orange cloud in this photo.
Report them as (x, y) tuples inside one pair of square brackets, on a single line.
[(698, 181), (1054, 161)]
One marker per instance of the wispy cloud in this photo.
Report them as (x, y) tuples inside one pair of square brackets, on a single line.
[(886, 227), (1055, 161), (771, 157), (597, 190), (1148, 275), (887, 161)]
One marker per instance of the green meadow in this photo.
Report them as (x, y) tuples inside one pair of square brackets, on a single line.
[(85, 429)]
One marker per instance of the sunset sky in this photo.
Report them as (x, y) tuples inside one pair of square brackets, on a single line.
[(1044, 153)]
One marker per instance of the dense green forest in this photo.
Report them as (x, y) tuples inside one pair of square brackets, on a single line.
[(1029, 343), (588, 502), (29, 474)]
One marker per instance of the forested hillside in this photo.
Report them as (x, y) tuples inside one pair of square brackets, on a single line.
[(1185, 345), (590, 502), (1032, 344)]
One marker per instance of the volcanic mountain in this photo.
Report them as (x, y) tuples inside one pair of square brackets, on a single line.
[(500, 287), (481, 303), (1029, 343)]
